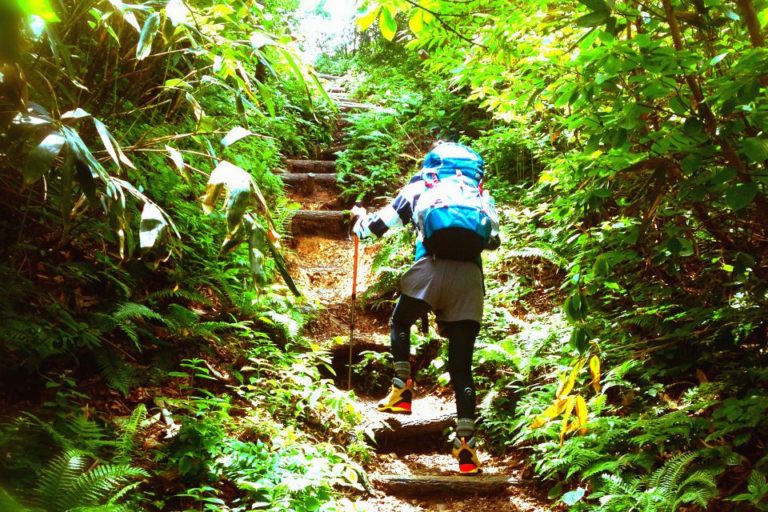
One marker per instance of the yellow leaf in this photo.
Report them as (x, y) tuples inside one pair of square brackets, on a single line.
[(567, 386), (569, 403), (416, 21), (367, 19), (548, 178), (594, 368), (581, 413), (552, 412), (561, 387)]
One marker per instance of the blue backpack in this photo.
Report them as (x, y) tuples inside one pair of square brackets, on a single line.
[(453, 214)]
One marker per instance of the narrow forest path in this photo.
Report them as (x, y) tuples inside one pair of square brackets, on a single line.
[(413, 469)]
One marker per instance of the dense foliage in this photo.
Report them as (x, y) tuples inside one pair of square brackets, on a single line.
[(151, 360), (647, 122)]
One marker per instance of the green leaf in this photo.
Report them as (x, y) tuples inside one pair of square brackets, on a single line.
[(580, 339), (593, 19), (40, 159), (282, 267), (756, 149), (41, 8), (740, 195), (596, 5), (572, 497), (148, 32), (387, 24), (718, 58)]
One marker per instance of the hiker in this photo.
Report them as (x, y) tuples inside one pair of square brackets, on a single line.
[(456, 220)]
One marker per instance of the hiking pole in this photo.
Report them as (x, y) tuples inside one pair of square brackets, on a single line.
[(356, 242)]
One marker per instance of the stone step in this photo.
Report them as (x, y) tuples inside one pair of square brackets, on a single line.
[(334, 222), (306, 166), (432, 485)]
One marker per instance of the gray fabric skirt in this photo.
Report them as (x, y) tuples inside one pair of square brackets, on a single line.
[(453, 289)]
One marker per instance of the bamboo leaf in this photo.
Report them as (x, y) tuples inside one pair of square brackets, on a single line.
[(148, 32), (40, 159), (240, 190), (152, 227), (281, 265), (82, 153), (177, 158), (77, 113), (106, 139), (234, 135)]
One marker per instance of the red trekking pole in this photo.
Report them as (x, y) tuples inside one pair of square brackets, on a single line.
[(356, 242)]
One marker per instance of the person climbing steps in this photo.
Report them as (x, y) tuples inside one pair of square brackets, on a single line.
[(455, 220)]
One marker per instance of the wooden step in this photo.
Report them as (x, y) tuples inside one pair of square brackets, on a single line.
[(335, 89), (325, 76), (330, 152), (396, 428), (428, 485), (320, 222), (316, 166), (306, 183), (349, 106)]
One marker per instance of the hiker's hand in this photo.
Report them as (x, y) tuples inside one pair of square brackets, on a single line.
[(358, 212), (358, 215)]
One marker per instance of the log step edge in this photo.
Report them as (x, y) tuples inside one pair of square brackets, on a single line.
[(424, 485)]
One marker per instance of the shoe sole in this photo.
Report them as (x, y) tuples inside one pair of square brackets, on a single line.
[(474, 471), (395, 410)]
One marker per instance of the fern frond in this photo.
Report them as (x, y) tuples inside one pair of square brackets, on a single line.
[(98, 483), (129, 430), (56, 477), (544, 253), (672, 472), (178, 293), (115, 371), (134, 311)]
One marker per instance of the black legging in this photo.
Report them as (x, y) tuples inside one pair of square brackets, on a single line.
[(461, 343)]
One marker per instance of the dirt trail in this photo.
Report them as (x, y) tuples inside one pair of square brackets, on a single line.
[(322, 263)]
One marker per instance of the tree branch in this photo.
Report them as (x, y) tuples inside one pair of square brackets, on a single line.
[(445, 24)]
